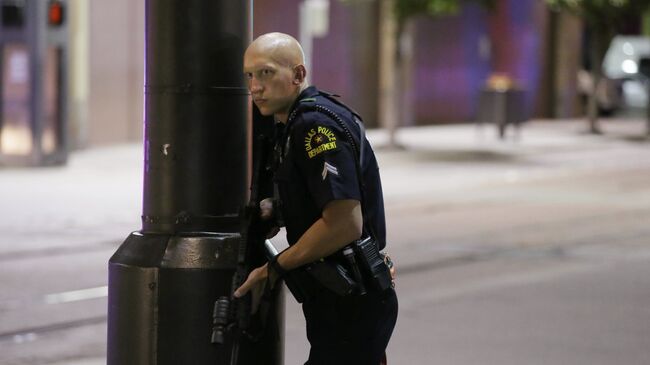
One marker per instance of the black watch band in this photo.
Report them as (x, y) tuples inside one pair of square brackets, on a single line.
[(275, 266)]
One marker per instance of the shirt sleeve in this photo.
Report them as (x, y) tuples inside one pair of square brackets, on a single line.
[(325, 159)]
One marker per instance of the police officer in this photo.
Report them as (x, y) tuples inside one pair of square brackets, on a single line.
[(321, 190)]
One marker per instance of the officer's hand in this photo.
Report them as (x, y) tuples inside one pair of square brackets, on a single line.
[(255, 278), (266, 209), (391, 267), (266, 213), (256, 284)]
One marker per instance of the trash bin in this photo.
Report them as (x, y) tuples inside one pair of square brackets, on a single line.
[(502, 102)]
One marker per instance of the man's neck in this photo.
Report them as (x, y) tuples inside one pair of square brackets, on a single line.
[(282, 117)]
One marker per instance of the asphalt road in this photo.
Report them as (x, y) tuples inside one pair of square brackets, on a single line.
[(528, 252)]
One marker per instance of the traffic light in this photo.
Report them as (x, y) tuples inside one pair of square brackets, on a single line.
[(55, 13), (33, 96)]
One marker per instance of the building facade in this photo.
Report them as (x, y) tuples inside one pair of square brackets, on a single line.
[(448, 62)]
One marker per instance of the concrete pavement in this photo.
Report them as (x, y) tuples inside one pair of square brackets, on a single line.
[(454, 194)]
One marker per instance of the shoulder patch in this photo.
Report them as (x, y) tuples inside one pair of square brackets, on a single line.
[(318, 140)]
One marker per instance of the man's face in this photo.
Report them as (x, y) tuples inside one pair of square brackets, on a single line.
[(270, 83)]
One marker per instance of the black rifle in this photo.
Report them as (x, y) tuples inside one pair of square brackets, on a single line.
[(233, 315)]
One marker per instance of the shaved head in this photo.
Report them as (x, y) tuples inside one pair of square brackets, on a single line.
[(274, 65), (281, 48)]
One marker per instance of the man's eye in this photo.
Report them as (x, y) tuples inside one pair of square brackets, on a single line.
[(266, 72)]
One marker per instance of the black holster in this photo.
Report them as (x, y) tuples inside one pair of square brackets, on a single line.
[(334, 274), (308, 281), (373, 267)]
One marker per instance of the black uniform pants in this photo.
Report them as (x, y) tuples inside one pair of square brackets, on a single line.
[(352, 330)]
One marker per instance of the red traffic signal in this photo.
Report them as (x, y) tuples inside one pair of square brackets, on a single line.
[(55, 13)]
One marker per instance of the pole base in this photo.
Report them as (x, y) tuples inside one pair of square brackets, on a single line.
[(162, 289)]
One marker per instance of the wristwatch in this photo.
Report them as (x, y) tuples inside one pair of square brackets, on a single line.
[(274, 265)]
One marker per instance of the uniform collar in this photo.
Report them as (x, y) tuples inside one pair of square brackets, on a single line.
[(309, 92), (283, 128)]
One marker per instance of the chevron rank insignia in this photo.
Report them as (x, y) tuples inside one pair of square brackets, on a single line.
[(327, 168)]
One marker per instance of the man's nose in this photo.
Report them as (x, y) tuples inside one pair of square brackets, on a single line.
[(254, 86)]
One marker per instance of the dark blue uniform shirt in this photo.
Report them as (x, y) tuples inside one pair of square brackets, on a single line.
[(317, 165)]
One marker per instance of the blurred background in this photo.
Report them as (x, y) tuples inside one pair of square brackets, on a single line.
[(423, 57), (513, 141)]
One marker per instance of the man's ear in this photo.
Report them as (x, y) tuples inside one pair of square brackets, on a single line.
[(300, 73)]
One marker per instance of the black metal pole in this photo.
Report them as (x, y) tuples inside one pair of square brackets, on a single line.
[(164, 279)]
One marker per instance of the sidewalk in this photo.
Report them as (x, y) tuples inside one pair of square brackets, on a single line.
[(98, 193), (448, 157)]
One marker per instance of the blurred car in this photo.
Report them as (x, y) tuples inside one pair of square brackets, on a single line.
[(622, 86), (621, 64)]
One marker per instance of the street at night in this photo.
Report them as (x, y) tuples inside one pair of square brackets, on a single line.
[(523, 251)]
